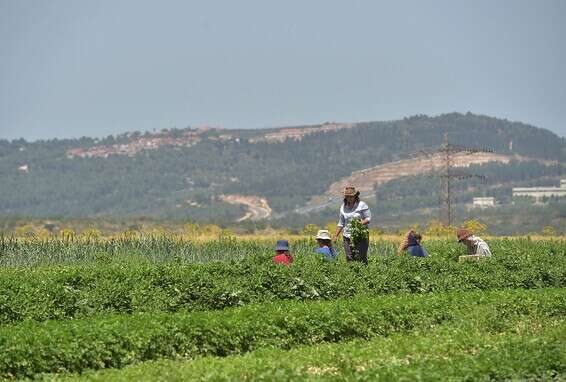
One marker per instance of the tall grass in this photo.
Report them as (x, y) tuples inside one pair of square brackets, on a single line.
[(18, 252), (34, 252)]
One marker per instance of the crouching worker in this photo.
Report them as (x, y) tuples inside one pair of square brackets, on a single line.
[(476, 246), (325, 245), (282, 253), (412, 244)]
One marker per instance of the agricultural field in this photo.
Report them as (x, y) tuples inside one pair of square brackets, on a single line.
[(162, 307)]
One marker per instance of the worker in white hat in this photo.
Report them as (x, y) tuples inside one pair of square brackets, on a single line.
[(325, 245)]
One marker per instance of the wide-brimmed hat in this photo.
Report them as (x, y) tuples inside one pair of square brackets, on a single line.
[(282, 245), (463, 234), (351, 191), (323, 234)]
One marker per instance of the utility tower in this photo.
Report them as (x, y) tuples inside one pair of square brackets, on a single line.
[(448, 173)]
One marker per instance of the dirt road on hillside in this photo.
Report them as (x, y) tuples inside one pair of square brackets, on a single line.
[(258, 208)]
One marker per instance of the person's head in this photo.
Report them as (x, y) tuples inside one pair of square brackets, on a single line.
[(411, 238), (351, 195), (323, 238), (324, 243), (418, 237), (463, 235), (282, 247)]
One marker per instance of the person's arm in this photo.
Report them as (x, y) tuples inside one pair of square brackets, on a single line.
[(472, 249), (338, 231), (365, 215), (340, 225)]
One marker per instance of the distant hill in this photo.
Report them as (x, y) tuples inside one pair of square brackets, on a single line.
[(212, 174)]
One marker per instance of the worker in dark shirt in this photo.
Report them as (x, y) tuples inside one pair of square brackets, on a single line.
[(282, 253), (412, 244)]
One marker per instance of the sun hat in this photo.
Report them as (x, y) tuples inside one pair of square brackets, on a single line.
[(282, 245), (323, 234), (463, 234), (351, 191)]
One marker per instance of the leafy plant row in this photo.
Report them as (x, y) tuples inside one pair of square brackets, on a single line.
[(116, 341), (534, 351), (84, 291)]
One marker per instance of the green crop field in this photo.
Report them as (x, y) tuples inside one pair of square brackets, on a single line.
[(163, 308)]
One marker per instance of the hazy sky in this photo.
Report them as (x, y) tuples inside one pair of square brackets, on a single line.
[(91, 67)]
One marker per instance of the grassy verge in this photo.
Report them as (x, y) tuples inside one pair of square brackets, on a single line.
[(29, 348)]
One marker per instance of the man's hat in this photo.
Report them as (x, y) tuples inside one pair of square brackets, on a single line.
[(463, 234)]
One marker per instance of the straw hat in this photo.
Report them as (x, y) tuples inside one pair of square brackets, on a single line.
[(323, 234), (463, 234), (351, 191)]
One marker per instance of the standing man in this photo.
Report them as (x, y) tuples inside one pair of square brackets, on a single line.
[(353, 208)]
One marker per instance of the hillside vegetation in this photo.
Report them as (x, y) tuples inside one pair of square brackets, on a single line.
[(187, 173)]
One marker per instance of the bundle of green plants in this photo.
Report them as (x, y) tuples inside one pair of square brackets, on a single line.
[(358, 231)]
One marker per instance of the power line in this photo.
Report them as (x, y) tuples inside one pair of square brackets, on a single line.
[(447, 174)]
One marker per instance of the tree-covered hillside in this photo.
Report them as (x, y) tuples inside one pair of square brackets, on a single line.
[(39, 179)]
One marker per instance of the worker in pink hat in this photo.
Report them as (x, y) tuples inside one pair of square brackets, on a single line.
[(475, 245)]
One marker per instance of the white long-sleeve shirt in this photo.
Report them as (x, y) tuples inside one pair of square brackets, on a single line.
[(360, 211), (477, 246)]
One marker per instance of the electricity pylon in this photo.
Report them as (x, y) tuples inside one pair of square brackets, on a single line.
[(447, 174)]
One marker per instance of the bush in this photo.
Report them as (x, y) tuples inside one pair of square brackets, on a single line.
[(309, 230)]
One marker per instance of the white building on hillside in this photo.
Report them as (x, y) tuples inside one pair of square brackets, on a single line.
[(484, 202), (540, 192)]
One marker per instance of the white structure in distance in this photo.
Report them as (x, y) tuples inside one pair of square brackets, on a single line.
[(484, 202), (540, 192)]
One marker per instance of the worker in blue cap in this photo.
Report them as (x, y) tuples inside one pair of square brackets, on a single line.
[(283, 256)]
